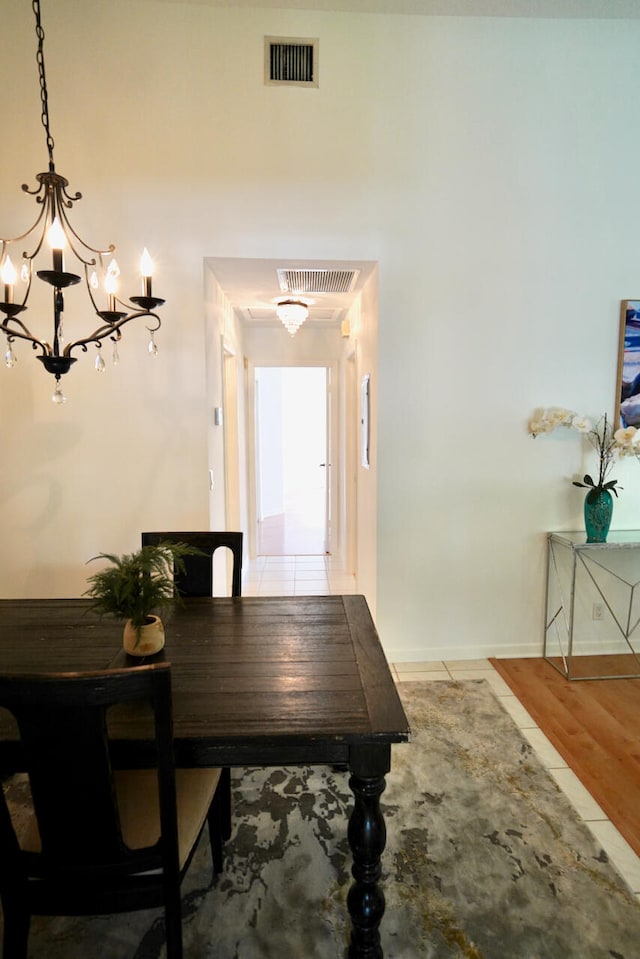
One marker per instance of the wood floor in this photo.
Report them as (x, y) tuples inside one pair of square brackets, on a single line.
[(595, 726)]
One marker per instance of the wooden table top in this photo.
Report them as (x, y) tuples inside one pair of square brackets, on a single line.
[(256, 680)]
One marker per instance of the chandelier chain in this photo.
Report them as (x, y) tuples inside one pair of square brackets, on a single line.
[(44, 96)]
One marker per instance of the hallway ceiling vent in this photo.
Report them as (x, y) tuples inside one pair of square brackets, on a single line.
[(291, 61), (317, 281)]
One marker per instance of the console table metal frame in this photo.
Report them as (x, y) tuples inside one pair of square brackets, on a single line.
[(583, 555)]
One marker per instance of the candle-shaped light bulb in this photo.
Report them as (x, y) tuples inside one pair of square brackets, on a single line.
[(57, 241), (146, 268), (9, 277), (111, 283)]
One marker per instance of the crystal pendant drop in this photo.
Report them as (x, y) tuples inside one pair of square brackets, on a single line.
[(100, 365), (115, 356), (153, 349), (10, 357), (24, 273), (58, 397)]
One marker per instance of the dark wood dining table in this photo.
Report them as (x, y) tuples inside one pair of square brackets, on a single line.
[(257, 681)]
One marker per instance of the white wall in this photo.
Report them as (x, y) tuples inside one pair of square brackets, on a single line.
[(487, 165), (363, 324), (223, 332)]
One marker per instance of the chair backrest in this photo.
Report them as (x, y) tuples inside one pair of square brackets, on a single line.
[(62, 722), (197, 580)]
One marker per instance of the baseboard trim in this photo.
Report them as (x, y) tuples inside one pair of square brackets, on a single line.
[(428, 654)]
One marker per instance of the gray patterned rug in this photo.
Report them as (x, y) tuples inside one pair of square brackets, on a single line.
[(485, 860)]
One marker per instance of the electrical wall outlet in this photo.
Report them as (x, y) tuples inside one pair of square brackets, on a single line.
[(598, 611)]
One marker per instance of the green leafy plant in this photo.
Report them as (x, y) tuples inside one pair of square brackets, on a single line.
[(135, 585)]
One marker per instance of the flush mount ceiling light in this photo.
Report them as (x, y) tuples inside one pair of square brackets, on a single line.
[(292, 313), (52, 230)]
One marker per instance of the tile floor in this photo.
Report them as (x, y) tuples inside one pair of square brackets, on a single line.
[(296, 576), (322, 575)]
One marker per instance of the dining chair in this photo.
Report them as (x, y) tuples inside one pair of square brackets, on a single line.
[(197, 578), (98, 840)]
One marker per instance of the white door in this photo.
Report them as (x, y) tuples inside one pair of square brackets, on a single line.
[(328, 463), (291, 460)]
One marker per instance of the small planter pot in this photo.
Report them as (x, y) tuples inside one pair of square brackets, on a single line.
[(146, 642)]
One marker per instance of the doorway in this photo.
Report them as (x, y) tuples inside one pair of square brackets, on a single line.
[(292, 462)]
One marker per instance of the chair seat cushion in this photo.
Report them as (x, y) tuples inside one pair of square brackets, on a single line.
[(137, 791)]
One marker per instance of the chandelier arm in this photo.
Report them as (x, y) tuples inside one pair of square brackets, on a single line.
[(37, 190), (67, 199), (56, 201), (131, 306), (87, 282), (24, 334), (16, 239), (31, 256), (107, 330), (68, 229)]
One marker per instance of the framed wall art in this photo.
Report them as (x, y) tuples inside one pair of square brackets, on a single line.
[(628, 382), (365, 412)]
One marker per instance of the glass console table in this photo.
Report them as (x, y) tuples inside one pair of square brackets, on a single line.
[(592, 610)]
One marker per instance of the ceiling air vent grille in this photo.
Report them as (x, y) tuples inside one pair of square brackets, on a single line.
[(317, 281), (291, 61)]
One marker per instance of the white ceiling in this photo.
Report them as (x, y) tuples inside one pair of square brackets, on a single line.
[(581, 9), (252, 287)]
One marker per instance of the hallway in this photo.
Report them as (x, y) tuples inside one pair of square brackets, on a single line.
[(296, 576)]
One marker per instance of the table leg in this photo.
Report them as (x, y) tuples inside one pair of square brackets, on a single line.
[(367, 839)]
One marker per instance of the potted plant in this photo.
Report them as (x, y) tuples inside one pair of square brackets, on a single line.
[(135, 587), (610, 445)]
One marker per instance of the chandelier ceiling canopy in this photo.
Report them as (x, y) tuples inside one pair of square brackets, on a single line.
[(98, 269)]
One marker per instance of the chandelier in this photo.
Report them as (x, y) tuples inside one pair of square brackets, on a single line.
[(97, 268), (292, 313)]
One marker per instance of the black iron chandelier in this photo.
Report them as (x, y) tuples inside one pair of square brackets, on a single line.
[(53, 230)]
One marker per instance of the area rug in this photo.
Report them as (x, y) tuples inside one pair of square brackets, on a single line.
[(485, 859)]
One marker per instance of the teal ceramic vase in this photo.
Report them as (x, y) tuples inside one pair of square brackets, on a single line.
[(598, 510)]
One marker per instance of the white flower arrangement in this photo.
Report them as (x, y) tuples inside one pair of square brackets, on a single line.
[(610, 445)]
